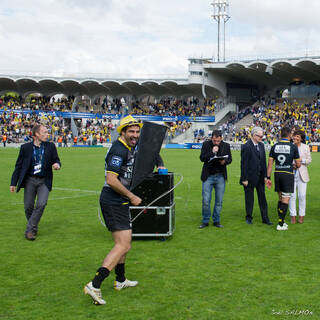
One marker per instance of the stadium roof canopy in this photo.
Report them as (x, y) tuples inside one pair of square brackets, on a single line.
[(93, 87), (267, 75), (206, 79)]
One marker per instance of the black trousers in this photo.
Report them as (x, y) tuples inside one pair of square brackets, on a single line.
[(249, 199)]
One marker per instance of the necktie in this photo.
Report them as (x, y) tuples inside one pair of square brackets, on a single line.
[(257, 148)]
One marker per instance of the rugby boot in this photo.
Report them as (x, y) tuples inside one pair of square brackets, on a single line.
[(94, 293), (125, 284)]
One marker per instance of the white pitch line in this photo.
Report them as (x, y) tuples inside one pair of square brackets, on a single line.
[(60, 198), (76, 190), (78, 196)]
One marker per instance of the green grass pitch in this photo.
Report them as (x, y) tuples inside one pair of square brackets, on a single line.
[(238, 272)]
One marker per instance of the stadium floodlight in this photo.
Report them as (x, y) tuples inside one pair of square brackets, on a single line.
[(221, 14)]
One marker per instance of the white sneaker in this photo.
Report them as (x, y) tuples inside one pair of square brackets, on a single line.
[(285, 225), (282, 228), (94, 293), (125, 284)]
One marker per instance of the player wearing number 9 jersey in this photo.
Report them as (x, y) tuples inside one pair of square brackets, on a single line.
[(284, 153), (286, 156)]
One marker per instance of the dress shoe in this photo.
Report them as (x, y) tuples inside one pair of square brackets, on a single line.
[(293, 220), (217, 224), (248, 221), (203, 225), (30, 236), (269, 223)]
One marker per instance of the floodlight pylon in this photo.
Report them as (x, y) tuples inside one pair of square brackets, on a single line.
[(221, 14)]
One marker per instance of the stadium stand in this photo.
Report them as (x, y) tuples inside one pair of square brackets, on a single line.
[(17, 128), (165, 107), (17, 125), (270, 115)]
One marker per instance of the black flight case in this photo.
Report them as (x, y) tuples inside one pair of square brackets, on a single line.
[(158, 220)]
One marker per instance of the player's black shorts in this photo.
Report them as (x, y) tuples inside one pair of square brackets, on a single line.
[(117, 217), (284, 182)]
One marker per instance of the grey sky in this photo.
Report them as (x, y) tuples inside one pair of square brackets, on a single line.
[(146, 36)]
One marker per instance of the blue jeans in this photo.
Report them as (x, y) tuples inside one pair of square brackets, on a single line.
[(218, 183)]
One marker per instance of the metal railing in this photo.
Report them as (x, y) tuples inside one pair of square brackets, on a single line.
[(94, 75), (267, 58)]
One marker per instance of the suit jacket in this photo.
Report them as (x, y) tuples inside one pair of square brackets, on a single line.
[(207, 154), (305, 157), (253, 164), (24, 162)]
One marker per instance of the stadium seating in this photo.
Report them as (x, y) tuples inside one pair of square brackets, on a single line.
[(271, 117), (269, 114)]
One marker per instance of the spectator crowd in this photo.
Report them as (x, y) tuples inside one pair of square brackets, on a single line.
[(172, 107), (16, 127), (271, 117), (34, 103), (165, 107)]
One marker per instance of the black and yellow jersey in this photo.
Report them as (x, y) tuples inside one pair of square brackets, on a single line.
[(119, 161), (283, 153)]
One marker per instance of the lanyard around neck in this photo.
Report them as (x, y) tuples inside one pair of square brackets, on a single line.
[(40, 155)]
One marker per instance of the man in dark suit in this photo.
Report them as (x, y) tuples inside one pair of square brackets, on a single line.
[(254, 174), (215, 155), (33, 172)]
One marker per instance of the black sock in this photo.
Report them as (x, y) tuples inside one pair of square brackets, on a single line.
[(120, 270), (282, 211), (285, 209), (101, 274)]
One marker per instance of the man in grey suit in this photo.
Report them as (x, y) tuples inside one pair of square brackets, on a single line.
[(254, 174), (33, 172)]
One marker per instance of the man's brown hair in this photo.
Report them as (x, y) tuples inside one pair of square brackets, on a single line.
[(36, 129), (285, 132)]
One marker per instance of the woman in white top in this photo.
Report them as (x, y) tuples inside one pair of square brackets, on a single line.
[(301, 178)]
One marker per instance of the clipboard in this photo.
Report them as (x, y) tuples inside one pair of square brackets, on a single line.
[(219, 158)]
